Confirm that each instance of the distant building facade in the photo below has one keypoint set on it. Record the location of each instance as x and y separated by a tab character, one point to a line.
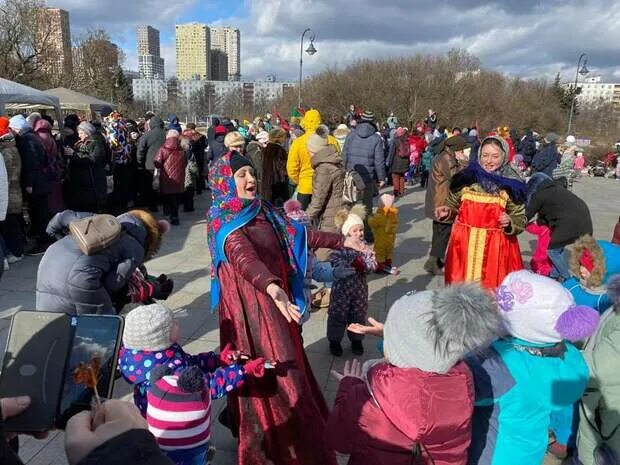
150	62
54	38
228	40
219	65
193	51
153	92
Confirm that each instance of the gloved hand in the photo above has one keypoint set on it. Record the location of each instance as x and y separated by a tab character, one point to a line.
359	264
342	271
229	354
256	367
163	287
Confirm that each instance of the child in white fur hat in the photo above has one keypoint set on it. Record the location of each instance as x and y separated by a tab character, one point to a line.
349	296
534	373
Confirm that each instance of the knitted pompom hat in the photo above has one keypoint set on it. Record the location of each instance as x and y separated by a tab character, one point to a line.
433	330
540	310
148	327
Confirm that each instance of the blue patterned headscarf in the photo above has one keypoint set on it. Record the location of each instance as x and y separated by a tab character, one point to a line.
230	212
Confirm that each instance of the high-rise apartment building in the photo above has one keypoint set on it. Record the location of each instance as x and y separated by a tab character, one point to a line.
54	40
193	45
150	62
228	40
219	65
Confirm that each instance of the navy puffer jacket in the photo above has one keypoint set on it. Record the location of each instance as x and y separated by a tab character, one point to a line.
71	282
363	152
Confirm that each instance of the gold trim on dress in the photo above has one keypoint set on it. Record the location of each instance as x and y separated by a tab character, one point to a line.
475	253
483	197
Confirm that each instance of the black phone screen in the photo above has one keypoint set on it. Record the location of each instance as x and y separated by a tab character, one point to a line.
95	342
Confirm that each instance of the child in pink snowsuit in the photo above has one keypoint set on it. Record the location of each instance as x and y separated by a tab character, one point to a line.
540	262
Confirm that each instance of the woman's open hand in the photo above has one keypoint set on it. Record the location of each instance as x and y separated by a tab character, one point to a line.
375	328
442	213
352	368
289	310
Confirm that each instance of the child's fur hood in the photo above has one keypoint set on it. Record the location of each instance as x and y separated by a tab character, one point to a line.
600	270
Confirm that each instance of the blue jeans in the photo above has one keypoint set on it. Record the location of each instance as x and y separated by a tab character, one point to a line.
560	263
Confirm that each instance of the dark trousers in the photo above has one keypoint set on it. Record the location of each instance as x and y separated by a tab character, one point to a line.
123	177
148	197
12	230
423	178
188	199
200	181
441	236
171	206
304	200
38	206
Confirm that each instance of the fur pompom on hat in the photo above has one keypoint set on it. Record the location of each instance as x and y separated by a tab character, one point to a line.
540	310
148	327
294	211
433	330
346	219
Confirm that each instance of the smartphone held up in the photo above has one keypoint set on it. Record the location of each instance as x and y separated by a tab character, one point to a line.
64	363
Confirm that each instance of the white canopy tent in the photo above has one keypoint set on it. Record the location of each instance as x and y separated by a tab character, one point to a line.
19	97
72	100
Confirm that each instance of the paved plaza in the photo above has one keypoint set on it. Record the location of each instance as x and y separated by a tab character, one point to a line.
184	257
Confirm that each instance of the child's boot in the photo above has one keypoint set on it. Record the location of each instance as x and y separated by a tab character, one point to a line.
335	348
357	347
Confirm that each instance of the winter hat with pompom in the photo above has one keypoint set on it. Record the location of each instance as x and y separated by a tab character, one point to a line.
540	310
294	211
433	330
346	219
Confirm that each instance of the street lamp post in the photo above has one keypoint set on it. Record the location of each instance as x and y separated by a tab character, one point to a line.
583	71
310	51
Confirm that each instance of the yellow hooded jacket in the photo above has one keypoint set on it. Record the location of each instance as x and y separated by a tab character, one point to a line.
298	164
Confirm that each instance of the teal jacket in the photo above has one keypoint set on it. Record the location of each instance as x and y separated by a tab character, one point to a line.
516	392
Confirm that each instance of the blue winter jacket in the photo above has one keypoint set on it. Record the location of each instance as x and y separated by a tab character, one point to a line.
546	159
516	392
363	152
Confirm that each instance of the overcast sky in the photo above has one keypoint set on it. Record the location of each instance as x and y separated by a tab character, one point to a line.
526	37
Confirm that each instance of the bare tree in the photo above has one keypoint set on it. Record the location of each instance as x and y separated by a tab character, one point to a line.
25	41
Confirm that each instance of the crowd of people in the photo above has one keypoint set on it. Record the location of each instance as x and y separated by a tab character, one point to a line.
500	366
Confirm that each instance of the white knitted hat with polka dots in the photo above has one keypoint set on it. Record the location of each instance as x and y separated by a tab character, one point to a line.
148	328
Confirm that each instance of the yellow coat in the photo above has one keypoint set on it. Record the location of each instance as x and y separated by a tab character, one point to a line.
298	165
384	225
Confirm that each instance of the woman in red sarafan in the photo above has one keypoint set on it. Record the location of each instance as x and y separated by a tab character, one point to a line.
259	260
487	199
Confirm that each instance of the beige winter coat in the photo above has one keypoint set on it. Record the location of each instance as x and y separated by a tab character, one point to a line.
327	187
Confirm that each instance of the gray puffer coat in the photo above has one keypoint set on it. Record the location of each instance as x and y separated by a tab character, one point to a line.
71	282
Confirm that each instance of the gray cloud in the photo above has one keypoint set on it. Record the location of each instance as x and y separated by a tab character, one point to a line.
526	38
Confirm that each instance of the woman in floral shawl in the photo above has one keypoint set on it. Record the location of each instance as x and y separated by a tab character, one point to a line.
259	262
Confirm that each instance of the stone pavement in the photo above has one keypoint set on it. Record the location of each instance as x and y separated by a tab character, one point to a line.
184	257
